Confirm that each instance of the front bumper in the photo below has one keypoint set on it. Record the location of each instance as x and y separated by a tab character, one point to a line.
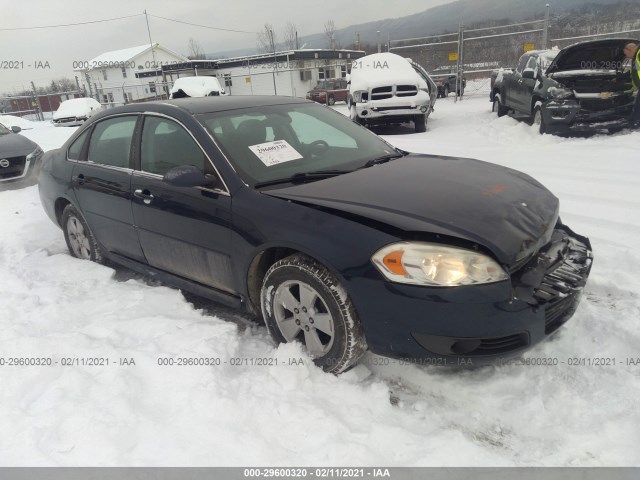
569	116
69	122
20	169
476	324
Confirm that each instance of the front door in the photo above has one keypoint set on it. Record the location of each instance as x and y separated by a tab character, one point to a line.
183	231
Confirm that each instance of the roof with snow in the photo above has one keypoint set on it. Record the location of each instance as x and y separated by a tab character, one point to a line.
126	54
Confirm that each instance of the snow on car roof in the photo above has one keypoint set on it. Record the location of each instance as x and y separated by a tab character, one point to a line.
196	86
382	68
76	107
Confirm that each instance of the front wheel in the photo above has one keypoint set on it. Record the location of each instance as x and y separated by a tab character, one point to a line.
332	100
420	122
302	301
538	119
79	237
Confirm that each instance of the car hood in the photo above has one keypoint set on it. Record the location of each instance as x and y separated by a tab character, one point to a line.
575	57
15	145
502	209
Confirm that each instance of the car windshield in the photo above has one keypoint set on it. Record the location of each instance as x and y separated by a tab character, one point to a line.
279	141
322	86
4	130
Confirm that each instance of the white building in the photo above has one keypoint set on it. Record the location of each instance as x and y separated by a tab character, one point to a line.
111	77
290	73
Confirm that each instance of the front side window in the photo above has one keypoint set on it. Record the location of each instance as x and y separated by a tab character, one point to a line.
165	145
521	64
279	141
111	141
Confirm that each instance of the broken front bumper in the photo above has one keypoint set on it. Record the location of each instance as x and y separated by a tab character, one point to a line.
477	324
567	116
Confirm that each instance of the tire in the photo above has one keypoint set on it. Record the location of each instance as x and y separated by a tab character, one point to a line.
445	94
538	119
353	115
332	100
313	290
497	107
420	122
80	239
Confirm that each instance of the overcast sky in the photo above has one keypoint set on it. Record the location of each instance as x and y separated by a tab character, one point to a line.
60	47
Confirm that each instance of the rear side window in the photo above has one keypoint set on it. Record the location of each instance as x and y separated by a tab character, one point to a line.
165	145
111	141
75	150
521	64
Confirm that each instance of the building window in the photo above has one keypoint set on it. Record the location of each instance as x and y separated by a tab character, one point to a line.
228	82
305	75
124	72
110	97
343	71
104	74
105	99
152	87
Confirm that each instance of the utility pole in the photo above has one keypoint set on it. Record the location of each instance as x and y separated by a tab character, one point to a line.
275	64
357	40
545	33
379	46
153	54
388	41
297	44
35	94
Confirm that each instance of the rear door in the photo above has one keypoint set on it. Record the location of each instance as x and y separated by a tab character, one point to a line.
102	183
183	231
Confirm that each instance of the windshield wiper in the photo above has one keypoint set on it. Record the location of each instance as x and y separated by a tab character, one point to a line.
383	159
303	177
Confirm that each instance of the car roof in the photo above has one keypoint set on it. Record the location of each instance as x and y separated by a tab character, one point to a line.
195	106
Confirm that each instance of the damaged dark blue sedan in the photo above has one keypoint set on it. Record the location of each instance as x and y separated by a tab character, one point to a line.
338	240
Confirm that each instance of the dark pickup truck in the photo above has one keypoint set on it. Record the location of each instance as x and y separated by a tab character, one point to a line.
585	87
446	82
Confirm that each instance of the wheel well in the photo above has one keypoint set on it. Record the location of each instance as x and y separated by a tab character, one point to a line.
257	270
60	205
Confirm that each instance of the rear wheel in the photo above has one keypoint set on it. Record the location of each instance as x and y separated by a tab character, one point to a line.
302	301
446	91
79	237
332	100
500	109
420	122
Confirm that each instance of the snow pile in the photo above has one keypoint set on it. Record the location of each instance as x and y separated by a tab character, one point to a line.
77	108
381	413
196	86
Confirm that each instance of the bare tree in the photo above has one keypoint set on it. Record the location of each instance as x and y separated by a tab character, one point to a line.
195	51
267	39
290	36
330	32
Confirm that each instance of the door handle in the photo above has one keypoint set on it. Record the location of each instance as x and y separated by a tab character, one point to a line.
145	195
79	179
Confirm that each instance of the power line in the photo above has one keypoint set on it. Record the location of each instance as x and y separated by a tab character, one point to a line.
202	26
71	24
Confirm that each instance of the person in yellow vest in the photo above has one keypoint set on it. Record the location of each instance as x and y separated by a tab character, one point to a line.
632	51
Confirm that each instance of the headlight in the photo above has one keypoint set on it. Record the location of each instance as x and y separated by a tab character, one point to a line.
357	96
560	93
429	264
37	152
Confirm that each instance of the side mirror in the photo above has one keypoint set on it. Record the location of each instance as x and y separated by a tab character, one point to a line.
529	73
188	176
15	129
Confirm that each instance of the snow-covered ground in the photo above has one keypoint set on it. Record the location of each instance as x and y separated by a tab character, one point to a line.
146	414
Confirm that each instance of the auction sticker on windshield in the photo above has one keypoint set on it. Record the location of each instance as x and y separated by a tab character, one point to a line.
276	152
